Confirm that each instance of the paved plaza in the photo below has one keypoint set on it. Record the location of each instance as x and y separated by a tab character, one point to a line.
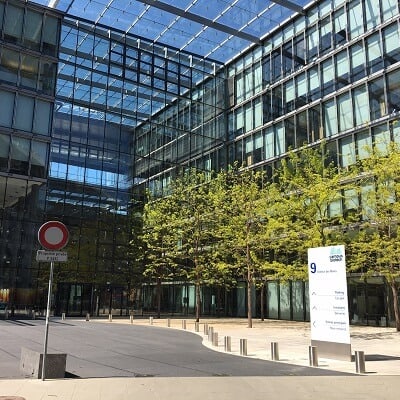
289	378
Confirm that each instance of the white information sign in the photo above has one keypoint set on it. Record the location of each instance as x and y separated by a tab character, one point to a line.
49	256
328	294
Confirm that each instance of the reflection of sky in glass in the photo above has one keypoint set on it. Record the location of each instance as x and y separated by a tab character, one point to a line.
254	17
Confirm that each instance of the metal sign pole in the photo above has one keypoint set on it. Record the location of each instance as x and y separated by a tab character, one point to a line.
47	320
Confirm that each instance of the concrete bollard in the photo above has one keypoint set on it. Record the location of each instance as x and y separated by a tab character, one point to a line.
131	319
168	322
243	347
63	316
215	339
313	356
196	327
205	329
151	320
184	324
210	333
228	343
360	362
109	317
274	351
87	317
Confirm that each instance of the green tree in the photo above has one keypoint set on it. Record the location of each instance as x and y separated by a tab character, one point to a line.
312	190
242	226
159	238
194	228
376	249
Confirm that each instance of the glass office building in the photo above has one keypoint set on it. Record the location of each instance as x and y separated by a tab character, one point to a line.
98	106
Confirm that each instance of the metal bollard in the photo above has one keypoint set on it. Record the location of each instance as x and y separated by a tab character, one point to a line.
6	314
196	327
63	316
313	356
87	317
210	333
151	320
228	343
168	322
109	317
274	351
215	339
360	362
243	347
184	324
131	319
206	329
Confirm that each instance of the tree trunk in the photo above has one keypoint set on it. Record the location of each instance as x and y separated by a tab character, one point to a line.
198	302
158	297
249	285
394	288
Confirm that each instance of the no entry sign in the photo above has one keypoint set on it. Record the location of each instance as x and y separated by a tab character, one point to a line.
53	235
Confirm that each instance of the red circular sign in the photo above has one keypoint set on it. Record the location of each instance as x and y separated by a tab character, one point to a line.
53	235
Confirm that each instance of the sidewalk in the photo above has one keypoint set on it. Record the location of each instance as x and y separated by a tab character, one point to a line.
381	346
381	381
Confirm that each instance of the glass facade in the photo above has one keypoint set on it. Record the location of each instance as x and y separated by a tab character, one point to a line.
28	67
93	117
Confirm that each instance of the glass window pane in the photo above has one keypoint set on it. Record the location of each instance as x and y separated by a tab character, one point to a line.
33	30
298	300
248	118
272	300
19	155
284	300
50	35
393	91
4	145
258	114
24	113
328	77
38	159
391	39
314	84
312	43
381	135
389	8
29	71
345	112
356	19
342	69
289	95
340	26
330	119
4	150
361	105
257	78
280	139
6	107
9	64
372	13
13	24
301	86
357	55
269	143
43	115
374	51
364	145
347	151
377	99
